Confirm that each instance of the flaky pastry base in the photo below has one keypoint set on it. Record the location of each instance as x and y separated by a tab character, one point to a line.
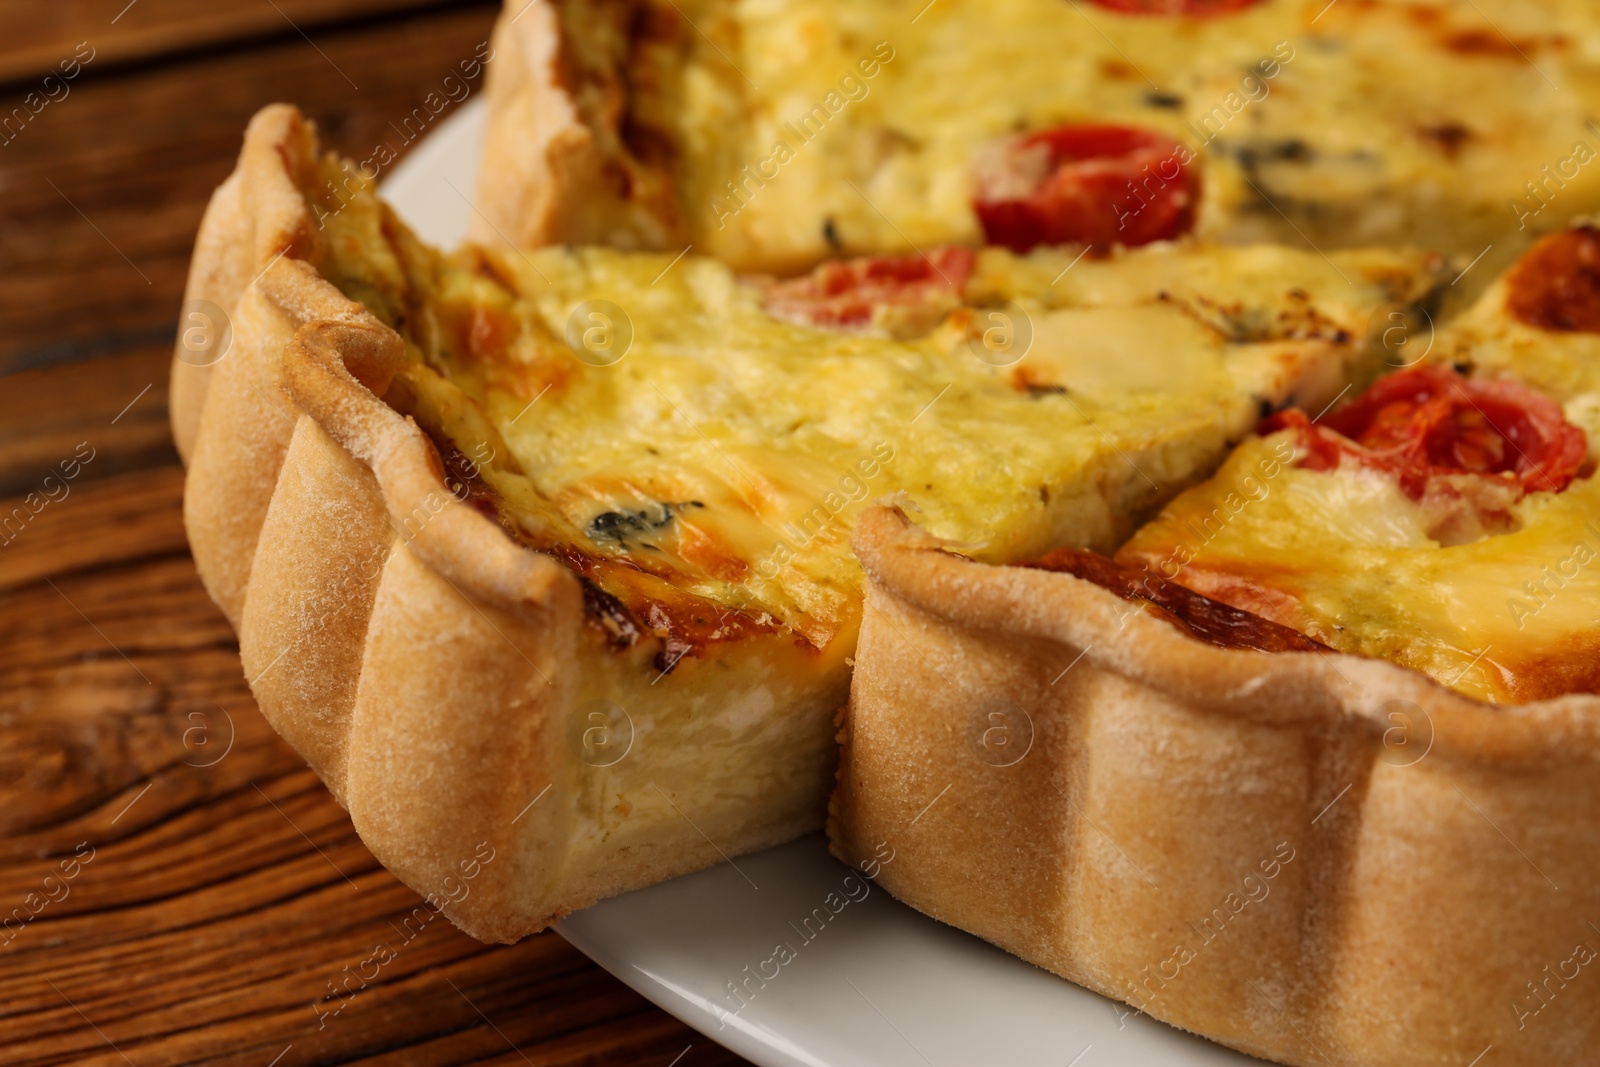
431	670
1313	858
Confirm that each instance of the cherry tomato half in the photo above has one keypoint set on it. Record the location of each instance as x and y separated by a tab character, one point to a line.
1087	183
1430	420
846	294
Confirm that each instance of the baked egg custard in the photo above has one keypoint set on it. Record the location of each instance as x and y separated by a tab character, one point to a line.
697	445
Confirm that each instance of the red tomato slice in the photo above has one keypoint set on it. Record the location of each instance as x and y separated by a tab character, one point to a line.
1556	285
1089	184
1430	421
1193	8
854	294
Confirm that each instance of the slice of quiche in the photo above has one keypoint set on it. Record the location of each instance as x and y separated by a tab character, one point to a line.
1310	767
551	550
772	135
1447	519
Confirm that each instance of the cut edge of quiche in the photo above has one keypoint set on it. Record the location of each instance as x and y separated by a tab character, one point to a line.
446	682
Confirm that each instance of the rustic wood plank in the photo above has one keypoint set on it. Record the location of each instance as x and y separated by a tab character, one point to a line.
140	515
119	408
216	891
101	193
39	34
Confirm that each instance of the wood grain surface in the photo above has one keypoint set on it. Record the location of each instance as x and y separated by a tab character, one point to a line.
175	886
41	33
101	192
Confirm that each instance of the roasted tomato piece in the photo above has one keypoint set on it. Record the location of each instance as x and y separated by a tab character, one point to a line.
1556	285
1429	421
1192	8
895	294
1089	184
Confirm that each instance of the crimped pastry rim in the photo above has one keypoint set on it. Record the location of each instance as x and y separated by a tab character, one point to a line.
1423	887
913	566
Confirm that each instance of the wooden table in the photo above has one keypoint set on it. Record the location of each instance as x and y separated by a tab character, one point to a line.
188	886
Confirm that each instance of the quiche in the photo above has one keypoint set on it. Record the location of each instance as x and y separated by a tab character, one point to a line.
551	549
773	135
1319	744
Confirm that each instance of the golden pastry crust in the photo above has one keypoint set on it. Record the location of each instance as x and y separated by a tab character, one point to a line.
1310	857
555	166
255	216
429	668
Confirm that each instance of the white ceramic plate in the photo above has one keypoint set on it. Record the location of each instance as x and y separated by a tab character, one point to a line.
877	985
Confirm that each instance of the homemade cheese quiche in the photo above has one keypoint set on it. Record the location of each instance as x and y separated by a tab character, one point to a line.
774	134
1319	748
552	549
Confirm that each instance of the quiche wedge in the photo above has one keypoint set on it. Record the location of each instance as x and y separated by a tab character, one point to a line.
1447	519
550	550
773	135
1317	749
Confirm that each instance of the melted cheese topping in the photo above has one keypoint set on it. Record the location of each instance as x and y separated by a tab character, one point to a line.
802	128
646	414
1348	558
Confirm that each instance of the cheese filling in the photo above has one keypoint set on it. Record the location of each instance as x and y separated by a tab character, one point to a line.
702	462
1348	558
